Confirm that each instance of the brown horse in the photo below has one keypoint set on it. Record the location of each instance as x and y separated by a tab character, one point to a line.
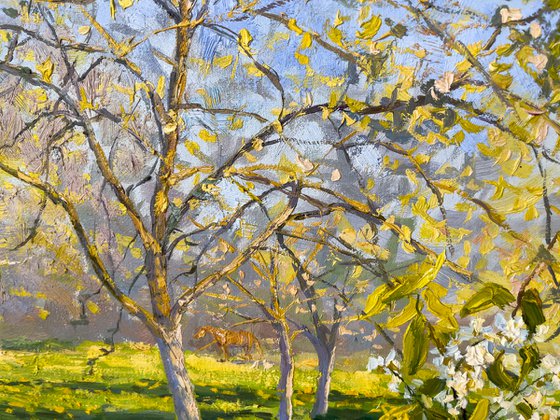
227	338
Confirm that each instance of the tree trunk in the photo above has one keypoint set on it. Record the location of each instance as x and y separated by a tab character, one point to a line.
178	380
326	365
287	367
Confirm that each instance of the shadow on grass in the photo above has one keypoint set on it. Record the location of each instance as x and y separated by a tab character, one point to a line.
251	405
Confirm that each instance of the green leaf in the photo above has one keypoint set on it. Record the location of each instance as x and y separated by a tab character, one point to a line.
11	12
436	413
469	126
525	410
407	288
531	309
370	28
502	80
402	412
500	377
440	309
481	410
531	359
432	387
374	303
491	294
405	315
399	30
415	345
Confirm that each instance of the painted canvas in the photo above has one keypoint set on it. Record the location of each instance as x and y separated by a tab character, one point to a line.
258	209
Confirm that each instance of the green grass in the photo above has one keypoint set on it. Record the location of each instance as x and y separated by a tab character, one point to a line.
53	382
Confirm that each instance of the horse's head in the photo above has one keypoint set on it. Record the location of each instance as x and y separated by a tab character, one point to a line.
200	333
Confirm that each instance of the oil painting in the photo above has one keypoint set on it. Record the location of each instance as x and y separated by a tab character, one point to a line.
280	209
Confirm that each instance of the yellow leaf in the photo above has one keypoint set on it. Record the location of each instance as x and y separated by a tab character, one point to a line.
125	4
46	69
258	145
374	303
84	103
531	213
253	70
302	58
278	126
192	147
170	127
370	28
409	287
161	203
335	35
339	19
113	8
84	30
161	86
207	136
21	292
43	313
466	172
306	41
236	123
92	306
224	61
481	410
292	25
405	315
245	38
136	253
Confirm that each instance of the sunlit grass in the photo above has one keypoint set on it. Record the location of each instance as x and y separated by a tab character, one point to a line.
130	382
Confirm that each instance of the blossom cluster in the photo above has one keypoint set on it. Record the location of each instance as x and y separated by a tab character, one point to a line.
463	366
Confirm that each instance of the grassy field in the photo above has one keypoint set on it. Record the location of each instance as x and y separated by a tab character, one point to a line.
129	384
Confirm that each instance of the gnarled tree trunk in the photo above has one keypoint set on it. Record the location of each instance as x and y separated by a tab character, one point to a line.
326	357
180	385
287	368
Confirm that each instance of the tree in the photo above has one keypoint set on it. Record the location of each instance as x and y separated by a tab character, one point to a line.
501	197
87	96
70	103
275	307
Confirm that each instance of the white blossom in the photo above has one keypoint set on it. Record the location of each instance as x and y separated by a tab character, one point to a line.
535	29
535	399
374	362
477	325
509	15
550	364
514	331
459	382
478	355
539	61
394	384
541	333
454	412
443	84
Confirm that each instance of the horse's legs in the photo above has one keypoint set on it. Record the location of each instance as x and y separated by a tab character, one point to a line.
224	352
248	349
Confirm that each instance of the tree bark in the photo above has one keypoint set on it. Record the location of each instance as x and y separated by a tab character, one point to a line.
180	385
287	367
326	357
